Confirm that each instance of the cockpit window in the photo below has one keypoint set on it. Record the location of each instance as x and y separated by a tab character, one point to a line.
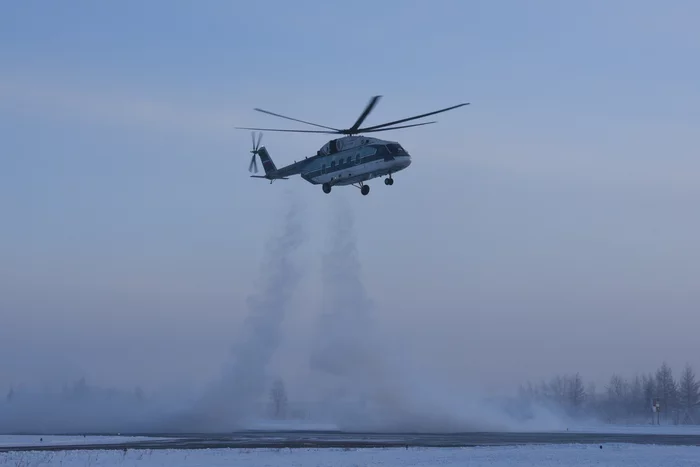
395	149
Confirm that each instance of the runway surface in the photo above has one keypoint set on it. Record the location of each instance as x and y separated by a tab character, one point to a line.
330	439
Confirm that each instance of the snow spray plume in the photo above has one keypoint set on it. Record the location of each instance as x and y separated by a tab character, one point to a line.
344	353
231	402
367	383
351	365
346	320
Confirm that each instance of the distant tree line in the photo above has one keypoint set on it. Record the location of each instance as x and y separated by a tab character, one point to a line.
79	390
623	400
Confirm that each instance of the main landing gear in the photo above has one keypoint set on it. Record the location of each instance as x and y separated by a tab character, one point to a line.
364	189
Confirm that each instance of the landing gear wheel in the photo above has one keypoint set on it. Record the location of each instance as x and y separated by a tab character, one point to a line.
388	181
364	190
326	188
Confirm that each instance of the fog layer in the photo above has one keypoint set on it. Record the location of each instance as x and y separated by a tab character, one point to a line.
359	380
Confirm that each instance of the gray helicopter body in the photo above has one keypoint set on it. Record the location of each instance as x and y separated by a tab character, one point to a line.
350	160
344	161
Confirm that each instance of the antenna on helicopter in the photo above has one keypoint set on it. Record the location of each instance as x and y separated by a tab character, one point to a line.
355	128
253	167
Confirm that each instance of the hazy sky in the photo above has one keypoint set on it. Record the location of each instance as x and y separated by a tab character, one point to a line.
552	225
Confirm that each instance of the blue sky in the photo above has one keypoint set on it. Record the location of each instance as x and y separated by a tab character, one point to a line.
552	219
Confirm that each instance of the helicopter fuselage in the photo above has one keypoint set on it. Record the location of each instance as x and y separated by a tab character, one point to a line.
347	161
355	159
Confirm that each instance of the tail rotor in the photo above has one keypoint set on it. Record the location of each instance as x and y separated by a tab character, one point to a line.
253	167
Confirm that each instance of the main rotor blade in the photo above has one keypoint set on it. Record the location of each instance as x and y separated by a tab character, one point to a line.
362	130
396	127
364	114
295	119
290	131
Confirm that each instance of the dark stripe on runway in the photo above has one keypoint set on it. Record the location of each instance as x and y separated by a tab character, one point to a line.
292	440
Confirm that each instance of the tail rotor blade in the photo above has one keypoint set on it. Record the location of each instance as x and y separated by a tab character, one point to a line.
253	167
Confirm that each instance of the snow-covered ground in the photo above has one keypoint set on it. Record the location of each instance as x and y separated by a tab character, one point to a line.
559	455
638	429
57	440
290	425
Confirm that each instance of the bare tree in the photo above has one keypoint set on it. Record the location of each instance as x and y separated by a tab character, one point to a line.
591	394
689	393
576	391
666	390
80	388
649	385
617	388
637	404
278	397
557	389
616	397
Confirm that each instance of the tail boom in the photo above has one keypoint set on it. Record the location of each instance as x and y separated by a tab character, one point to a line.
271	170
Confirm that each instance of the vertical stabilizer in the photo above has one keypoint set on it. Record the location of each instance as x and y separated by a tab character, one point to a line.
260	151
268	166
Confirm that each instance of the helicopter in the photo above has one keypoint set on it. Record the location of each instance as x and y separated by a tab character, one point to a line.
348	160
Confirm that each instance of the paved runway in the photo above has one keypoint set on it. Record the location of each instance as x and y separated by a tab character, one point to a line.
330	439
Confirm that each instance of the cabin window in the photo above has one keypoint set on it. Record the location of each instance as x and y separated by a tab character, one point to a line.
332	164
357	158
395	149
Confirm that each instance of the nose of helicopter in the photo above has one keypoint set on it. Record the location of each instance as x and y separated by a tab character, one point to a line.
403	161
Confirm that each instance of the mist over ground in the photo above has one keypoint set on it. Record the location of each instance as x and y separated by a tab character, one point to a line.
230	402
368	381
357	379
